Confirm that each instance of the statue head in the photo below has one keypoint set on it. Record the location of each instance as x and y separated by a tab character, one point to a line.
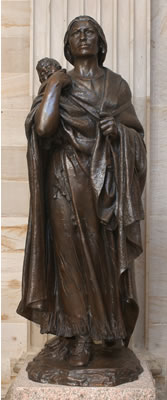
46	67
102	44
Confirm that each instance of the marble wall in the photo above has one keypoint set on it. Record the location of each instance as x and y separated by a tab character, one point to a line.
15	105
29	29
157	289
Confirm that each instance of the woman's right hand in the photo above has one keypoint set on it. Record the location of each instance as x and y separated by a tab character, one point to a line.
47	116
61	78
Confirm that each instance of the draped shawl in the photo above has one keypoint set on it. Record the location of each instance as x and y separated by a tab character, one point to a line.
118	165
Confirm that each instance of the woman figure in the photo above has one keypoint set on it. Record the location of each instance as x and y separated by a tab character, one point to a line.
85	207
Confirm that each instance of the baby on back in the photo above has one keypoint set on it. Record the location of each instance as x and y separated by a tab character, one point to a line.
45	68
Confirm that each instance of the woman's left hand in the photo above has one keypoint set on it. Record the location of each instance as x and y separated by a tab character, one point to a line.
108	125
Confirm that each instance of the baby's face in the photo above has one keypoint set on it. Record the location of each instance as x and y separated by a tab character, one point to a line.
45	71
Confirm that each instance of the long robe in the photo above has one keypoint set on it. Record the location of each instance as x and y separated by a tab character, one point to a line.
85	211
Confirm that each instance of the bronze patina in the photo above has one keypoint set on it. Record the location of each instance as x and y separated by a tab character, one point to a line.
87	168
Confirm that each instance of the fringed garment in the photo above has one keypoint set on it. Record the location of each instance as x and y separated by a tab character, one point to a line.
85	211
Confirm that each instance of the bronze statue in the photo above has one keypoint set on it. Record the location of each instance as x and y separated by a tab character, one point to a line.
87	168
46	67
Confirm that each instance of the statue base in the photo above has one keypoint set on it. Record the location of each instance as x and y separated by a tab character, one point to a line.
22	388
109	366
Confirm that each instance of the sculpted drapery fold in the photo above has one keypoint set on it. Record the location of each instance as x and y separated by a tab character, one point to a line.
112	175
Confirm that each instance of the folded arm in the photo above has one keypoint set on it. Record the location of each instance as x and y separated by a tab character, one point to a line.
47	116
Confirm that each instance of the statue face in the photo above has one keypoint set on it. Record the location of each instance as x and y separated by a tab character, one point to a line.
83	39
45	71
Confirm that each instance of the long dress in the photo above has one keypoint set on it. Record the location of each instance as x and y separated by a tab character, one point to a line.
88	215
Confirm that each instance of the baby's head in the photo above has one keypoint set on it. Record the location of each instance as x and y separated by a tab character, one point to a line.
46	67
